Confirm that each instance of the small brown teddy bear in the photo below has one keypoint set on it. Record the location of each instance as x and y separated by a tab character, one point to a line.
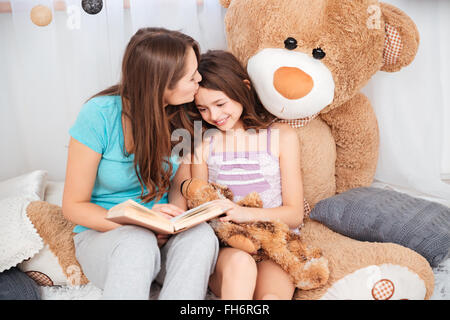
264	239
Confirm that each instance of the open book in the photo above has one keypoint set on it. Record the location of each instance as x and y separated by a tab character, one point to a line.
131	212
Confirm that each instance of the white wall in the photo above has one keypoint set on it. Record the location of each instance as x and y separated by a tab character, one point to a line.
413	106
47	73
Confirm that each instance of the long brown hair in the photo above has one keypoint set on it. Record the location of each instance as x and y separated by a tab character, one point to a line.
222	71
154	61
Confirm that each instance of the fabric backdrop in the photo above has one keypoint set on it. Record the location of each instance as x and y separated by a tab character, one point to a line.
413	107
47	73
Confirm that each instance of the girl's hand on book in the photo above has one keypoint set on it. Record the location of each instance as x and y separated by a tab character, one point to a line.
237	213
167	210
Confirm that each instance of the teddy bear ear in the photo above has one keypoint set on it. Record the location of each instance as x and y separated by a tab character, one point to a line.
225	3
401	40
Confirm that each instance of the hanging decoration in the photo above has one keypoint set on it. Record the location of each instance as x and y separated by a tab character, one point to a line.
200	8
41	15
92	6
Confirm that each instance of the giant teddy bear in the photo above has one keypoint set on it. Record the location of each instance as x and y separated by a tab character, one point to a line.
308	60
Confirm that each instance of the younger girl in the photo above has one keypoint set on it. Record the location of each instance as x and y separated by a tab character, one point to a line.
265	159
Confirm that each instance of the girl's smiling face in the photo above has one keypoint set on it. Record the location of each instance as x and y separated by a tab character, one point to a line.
218	109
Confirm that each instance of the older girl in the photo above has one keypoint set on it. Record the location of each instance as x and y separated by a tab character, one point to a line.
120	149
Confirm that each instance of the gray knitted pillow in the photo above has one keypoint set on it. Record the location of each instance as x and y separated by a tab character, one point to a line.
16	285
378	215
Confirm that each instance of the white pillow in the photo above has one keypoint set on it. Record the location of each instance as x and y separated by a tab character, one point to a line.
30	186
44	268
19	239
54	192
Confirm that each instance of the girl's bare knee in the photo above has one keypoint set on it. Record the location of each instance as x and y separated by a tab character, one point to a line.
270	296
238	273
239	265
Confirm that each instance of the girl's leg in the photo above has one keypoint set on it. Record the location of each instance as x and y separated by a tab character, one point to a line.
273	283
123	262
188	259
235	275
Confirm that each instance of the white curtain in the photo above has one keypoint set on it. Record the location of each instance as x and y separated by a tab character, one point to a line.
413	107
46	74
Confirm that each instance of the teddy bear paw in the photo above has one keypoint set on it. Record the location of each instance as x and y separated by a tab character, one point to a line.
313	274
378	282
243	243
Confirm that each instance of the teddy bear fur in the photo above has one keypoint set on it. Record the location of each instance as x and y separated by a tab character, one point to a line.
339	145
57	233
263	239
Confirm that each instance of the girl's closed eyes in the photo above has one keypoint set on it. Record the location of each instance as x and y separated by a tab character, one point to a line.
217	109
201	109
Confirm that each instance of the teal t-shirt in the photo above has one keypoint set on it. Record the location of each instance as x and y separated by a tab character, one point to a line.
99	127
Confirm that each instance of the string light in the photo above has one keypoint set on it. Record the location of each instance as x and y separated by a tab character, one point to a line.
92	6
41	15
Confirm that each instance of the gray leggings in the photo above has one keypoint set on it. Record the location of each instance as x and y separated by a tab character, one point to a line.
125	261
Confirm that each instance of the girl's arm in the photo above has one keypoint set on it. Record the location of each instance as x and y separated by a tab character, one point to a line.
199	168
291	212
175	196
82	165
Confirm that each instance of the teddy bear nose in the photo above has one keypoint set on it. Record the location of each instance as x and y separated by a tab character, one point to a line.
292	83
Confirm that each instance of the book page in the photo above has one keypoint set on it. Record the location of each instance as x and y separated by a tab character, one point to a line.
130	212
198	218
194	211
148	214
199	214
142	208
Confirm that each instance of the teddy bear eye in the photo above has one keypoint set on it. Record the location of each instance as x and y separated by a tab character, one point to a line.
290	43
318	54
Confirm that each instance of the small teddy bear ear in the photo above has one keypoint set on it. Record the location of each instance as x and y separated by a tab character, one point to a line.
401	40
225	191
225	3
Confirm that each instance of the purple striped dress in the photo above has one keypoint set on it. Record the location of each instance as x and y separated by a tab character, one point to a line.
245	172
